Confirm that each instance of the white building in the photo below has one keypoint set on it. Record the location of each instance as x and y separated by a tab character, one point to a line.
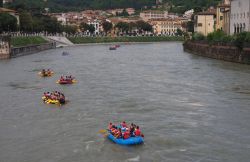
62	19
189	13
240	16
7	1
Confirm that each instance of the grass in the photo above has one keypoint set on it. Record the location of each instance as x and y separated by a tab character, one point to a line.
82	40
26	41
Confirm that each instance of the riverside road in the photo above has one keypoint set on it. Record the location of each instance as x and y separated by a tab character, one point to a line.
190	108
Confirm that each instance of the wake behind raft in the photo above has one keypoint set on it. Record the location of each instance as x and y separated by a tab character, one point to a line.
123	135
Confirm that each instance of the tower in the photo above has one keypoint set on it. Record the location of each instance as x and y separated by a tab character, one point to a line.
227	2
157	2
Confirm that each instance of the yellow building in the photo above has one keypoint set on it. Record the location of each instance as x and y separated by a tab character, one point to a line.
205	22
220	16
166	26
153	14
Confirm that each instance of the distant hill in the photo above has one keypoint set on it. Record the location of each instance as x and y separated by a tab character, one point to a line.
180	6
74	5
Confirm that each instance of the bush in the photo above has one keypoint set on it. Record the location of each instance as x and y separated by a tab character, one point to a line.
219	37
240	39
198	37
247	38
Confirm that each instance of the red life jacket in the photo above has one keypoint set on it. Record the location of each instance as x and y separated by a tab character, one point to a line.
137	132
126	135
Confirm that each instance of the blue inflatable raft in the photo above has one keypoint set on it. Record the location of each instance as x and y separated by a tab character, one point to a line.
129	141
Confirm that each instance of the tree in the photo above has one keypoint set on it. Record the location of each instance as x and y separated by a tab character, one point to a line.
84	26
52	25
122	26
107	26
26	21
179	32
1	3
143	26
7	22
70	29
190	26
91	29
38	24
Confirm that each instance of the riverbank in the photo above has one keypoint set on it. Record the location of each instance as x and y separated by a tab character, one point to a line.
226	52
27	41
86	40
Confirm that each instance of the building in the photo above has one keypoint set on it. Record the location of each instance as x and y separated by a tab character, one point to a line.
11	12
204	22
226	22
7	1
153	14
165	26
240	16
61	17
157	2
220	16
130	11
188	14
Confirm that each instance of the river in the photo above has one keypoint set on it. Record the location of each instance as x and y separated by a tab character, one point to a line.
190	108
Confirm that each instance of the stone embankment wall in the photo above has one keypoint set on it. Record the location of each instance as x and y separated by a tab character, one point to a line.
219	51
21	51
4	51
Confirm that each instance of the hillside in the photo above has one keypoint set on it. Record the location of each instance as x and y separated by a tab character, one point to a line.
74	5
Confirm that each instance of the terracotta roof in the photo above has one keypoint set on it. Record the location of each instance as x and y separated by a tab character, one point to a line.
2	10
210	12
223	5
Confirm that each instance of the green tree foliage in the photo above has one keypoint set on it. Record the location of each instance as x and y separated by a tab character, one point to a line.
198	37
26	21
7	22
122	26
190	26
91	28
69	5
70	29
179	32
180	6
107	26
84	27
217	36
144	26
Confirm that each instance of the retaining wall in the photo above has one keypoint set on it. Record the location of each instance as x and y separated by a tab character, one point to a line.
219	51
27	50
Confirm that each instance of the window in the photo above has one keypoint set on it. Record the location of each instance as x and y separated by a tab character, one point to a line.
200	24
221	17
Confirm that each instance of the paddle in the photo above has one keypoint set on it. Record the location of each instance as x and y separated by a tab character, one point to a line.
104	132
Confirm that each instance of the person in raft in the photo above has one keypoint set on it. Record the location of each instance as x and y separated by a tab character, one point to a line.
122	131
